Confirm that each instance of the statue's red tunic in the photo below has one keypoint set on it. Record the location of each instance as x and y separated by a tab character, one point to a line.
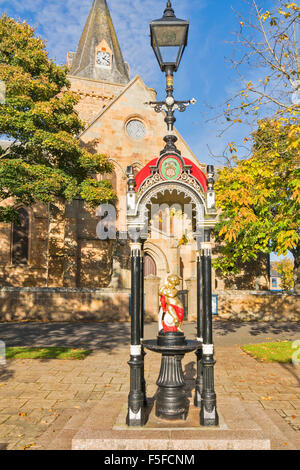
179	312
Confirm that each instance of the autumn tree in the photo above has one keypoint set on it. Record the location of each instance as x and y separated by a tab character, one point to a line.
267	47
259	195
265	64
44	159
260	200
285	268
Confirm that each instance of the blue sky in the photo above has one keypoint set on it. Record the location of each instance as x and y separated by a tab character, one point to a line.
204	73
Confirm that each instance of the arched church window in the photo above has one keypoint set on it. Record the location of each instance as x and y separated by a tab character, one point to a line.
20	238
150	266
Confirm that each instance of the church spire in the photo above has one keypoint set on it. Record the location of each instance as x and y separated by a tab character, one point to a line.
98	53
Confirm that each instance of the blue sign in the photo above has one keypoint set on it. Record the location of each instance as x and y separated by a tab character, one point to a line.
215	304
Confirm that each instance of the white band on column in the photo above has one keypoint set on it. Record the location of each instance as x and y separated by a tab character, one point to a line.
136	246
200	340
208	349
206	246
135	350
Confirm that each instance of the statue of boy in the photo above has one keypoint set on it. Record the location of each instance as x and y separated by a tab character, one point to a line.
171	312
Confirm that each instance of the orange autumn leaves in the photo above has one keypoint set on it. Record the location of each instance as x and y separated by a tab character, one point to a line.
260	197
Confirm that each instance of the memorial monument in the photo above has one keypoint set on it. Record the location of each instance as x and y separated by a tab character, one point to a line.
169	176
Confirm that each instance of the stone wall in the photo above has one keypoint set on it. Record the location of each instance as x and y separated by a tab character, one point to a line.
59	305
249	305
110	305
258	306
64	250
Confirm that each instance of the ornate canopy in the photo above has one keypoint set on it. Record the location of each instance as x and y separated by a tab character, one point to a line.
171	174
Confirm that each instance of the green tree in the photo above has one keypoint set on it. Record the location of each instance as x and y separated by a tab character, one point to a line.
286	270
45	159
260	199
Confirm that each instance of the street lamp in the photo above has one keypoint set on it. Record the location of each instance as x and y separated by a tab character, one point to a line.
169	37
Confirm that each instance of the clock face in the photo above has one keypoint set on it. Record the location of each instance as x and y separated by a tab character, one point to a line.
103	59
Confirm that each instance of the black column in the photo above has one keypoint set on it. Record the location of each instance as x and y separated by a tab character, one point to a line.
142	298
136	410
142	294
199	379
208	413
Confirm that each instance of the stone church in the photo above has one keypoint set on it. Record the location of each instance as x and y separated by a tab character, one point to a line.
55	257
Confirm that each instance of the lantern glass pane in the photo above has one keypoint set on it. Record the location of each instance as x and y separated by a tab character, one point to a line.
169	36
169	54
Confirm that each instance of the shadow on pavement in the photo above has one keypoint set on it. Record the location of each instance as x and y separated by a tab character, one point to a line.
293	370
112	336
189	378
100	336
225	327
5	374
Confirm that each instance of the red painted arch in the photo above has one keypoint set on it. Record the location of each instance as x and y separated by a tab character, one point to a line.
195	171
144	173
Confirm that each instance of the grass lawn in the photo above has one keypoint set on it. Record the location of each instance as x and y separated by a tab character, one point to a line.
280	351
46	353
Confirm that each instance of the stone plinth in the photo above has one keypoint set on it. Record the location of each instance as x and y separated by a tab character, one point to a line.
237	431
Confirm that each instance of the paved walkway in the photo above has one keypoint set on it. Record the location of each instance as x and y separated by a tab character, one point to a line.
109	336
39	398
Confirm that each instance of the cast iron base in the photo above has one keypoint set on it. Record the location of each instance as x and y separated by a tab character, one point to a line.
171	399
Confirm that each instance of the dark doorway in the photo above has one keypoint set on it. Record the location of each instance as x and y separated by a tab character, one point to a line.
150	266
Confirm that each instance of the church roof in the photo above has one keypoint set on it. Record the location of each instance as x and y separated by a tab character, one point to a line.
137	79
99	29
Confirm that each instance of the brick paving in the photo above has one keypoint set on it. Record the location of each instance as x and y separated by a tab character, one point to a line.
39	397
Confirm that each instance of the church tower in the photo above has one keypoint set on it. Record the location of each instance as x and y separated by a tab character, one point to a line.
97	70
98	54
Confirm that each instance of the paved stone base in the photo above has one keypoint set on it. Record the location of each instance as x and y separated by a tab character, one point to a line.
237	431
192	423
43	404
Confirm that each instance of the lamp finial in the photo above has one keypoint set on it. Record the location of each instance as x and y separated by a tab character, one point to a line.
169	10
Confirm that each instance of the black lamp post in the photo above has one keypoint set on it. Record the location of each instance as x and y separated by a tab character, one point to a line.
169	37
